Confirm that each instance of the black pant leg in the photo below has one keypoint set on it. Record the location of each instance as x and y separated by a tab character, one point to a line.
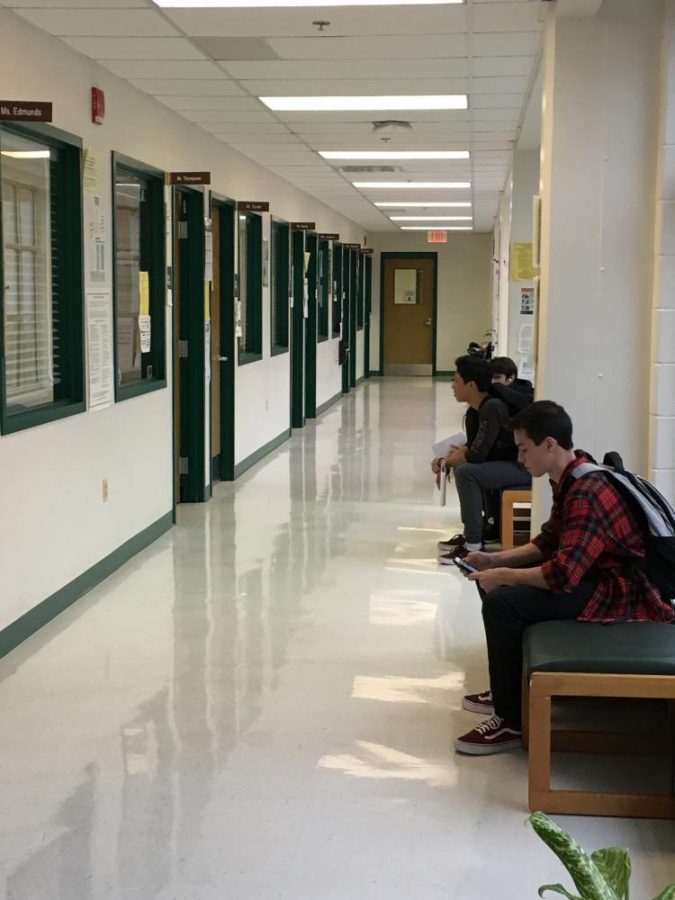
507	612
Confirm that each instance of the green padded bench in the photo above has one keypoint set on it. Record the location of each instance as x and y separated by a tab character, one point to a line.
581	659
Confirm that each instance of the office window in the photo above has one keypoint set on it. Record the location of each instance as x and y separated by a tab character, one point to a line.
250	287
41	290
323	289
280	268
139	283
337	289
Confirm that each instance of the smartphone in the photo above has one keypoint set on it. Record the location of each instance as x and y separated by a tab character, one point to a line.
463	564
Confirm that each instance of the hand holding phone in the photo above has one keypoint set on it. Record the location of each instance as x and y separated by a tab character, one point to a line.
464	565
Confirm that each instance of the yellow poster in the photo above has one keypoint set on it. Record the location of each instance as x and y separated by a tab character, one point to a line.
143	294
207	301
521	261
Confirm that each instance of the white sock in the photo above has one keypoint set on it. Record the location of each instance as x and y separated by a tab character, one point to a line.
471	547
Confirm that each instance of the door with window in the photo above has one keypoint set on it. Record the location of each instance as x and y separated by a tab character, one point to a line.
222	341
408	313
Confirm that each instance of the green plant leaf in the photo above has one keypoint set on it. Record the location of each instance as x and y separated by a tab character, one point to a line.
557	889
667	893
587	877
614	865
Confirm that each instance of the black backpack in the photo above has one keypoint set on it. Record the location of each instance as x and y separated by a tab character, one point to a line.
517	396
656	513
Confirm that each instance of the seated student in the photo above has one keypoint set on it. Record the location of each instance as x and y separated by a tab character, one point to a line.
579	567
517	393
486	462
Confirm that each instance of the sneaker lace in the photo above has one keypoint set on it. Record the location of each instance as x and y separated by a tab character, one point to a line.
491	724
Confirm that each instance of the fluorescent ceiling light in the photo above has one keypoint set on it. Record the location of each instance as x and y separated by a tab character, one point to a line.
277	4
425	204
359	104
434	228
430	218
26	154
394	154
403	185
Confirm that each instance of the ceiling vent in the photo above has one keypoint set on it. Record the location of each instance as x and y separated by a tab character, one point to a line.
369	170
228	49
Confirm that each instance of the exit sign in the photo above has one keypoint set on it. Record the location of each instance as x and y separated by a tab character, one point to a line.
437	237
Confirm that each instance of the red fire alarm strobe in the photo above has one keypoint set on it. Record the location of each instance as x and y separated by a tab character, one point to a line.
97	106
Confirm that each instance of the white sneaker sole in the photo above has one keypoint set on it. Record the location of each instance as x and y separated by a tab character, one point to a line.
487	749
487	709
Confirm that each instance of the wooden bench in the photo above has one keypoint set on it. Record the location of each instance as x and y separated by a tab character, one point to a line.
579	659
510	516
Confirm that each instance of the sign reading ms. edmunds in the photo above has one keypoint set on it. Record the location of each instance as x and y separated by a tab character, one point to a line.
25	111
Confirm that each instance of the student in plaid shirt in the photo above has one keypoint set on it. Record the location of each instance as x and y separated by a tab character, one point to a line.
581	566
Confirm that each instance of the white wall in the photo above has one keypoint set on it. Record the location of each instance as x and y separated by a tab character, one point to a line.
464	290
598	186
525	186
53	524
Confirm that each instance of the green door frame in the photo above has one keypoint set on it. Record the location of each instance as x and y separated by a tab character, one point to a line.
424	254
353	300
223	465
346	326
190	334
311	334
367	262
298	330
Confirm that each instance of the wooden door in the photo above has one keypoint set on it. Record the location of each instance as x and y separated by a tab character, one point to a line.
408	315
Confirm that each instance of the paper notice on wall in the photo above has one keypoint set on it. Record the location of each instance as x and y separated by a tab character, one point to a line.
144	323
238	330
143	294
95	237
100	375
521	261
308	257
527	301
90	175
305	299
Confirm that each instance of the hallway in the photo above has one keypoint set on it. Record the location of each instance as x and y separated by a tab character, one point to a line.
261	706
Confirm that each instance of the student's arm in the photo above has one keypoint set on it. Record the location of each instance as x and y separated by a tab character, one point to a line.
527	555
492	416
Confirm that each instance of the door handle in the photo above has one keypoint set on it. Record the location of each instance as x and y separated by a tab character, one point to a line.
222	359
428	322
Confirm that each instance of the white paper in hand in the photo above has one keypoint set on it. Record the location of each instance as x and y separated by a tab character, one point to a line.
442	448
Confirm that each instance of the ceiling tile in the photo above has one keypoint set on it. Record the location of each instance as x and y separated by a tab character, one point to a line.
359	87
100	22
502	65
354	68
524	43
142	68
209	104
367	47
179	87
134	48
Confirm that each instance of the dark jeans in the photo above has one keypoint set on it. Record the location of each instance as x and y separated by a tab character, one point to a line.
507	612
472	479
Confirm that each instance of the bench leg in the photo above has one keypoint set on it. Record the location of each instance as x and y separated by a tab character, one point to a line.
539	745
506	525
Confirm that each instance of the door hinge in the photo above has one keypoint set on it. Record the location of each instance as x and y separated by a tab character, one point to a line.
182	349
182	230
183	466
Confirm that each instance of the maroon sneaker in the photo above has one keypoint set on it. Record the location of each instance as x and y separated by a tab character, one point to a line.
479	703
491	736
457	540
458	552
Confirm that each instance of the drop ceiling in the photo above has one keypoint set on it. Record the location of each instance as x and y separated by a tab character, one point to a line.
210	65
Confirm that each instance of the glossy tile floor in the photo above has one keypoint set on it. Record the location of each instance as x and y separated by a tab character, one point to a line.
262	705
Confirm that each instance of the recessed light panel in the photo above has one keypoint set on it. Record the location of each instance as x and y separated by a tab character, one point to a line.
360	104
430	218
423	204
280	4
394	154
414	185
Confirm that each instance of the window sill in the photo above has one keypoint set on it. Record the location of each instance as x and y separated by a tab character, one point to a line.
245	358
146	386
277	351
12	423
322	338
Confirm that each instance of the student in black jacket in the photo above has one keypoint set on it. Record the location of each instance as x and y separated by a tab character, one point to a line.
488	459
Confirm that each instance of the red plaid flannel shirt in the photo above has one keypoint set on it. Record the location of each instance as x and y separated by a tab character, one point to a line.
593	533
